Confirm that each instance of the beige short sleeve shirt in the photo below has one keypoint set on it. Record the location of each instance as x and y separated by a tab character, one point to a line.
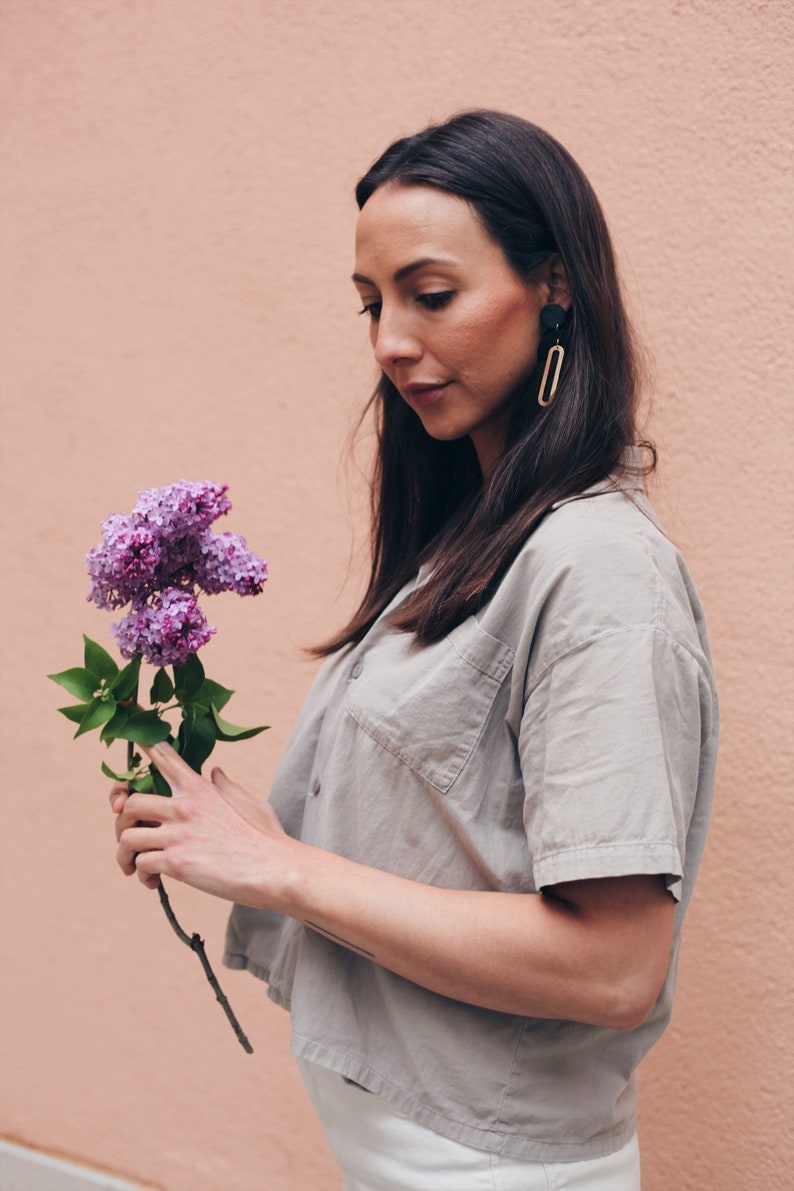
567	731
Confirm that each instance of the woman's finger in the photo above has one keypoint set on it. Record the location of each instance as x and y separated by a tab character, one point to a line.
143	810
119	793
258	813
169	763
139	839
226	785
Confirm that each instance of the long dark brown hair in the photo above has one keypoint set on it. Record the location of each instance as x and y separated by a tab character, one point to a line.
429	500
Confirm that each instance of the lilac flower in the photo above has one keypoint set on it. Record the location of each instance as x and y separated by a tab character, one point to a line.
157	556
182	509
226	564
124	564
178	557
165	630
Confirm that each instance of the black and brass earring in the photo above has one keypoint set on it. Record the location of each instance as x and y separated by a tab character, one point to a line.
552	317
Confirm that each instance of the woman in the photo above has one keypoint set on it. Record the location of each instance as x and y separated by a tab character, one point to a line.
470	879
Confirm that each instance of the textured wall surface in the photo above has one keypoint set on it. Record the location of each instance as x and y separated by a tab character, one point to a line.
177	227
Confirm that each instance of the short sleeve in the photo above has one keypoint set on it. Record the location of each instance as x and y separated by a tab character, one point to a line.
610	747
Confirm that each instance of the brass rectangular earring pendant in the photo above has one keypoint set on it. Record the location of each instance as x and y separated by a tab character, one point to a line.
551	373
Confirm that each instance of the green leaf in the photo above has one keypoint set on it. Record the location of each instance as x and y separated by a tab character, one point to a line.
213	693
97	714
125	684
145	727
118	777
200	699
196	740
113	727
98	660
77	682
188	679
76	712
230	732
162	687
142	785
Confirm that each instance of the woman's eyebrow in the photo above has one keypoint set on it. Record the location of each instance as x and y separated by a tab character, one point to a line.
406	270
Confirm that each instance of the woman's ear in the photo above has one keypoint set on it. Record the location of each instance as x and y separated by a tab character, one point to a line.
557	280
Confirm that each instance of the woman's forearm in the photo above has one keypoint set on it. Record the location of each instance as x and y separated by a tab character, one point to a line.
596	951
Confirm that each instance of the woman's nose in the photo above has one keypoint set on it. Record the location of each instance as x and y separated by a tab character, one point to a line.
394	339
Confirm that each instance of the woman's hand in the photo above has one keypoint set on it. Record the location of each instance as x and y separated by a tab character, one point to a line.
119	794
211	833
593	951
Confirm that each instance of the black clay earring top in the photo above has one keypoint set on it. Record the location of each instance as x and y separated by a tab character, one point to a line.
552	318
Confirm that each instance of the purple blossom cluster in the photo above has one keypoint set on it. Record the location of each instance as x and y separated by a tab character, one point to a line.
125	564
226	564
182	509
155	559
166	630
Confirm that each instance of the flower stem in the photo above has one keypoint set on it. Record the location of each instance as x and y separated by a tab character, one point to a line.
196	943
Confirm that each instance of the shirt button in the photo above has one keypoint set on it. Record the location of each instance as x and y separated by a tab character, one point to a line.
357	669
315	786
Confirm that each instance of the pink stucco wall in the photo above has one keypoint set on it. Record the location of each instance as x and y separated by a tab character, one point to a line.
177	240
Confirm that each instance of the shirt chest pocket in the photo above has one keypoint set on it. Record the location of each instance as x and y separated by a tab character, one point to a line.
427	705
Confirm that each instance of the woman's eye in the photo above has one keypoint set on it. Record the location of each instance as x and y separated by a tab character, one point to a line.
437	300
372	309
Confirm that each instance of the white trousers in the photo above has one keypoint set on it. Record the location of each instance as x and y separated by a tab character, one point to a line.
379	1149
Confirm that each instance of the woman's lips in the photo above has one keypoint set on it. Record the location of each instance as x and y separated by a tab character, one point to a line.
421	395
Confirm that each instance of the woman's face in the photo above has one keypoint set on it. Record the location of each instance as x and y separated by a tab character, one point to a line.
453	327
